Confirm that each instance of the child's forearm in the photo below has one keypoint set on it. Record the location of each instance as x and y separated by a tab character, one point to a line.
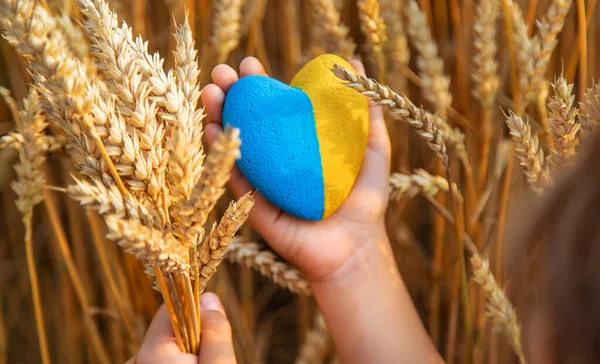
369	312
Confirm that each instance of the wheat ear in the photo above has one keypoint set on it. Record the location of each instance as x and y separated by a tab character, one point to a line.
485	74
190	215
256	256
431	66
590	112
373	27
527	149
563	126
226	28
215	245
523	45
316	343
420	181
328	33
30	141
499	308
400	106
545	42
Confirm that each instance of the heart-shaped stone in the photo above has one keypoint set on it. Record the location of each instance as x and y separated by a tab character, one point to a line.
303	144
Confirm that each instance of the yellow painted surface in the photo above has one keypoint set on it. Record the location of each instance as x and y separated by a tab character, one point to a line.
342	120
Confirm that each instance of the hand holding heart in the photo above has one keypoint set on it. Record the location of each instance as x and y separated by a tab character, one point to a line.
323	247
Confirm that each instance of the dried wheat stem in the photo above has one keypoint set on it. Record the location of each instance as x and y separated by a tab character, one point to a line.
373	27
431	66
499	307
401	107
527	149
258	257
590	112
420	181
563	124
51	204
164	290
124	309
226	28
328	33
315	347
213	249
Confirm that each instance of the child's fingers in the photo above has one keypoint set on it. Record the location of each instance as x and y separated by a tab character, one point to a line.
224	76
160	345
216	344
213	98
251	66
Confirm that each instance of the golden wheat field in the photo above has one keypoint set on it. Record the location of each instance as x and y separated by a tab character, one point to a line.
112	203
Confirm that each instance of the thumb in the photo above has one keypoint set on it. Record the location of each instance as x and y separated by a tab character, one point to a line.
216	344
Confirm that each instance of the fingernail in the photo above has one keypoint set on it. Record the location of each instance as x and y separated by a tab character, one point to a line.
210	301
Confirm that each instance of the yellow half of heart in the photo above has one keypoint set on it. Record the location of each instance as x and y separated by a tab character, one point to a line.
342	122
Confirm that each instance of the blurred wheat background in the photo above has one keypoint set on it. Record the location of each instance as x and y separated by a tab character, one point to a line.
486	73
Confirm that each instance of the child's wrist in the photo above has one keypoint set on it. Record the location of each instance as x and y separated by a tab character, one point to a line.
372	251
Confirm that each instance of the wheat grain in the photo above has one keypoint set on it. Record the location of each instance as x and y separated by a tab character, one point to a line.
409	185
316	343
255	256
563	126
499	308
328	34
431	66
401	107
527	149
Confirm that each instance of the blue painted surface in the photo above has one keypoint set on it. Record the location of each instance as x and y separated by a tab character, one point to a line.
280	148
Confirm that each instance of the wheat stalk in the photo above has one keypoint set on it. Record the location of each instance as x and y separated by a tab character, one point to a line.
31	142
420	181
315	347
402	108
523	45
254	255
226	27
563	126
527	149
396	49
429	63
544	43
213	249
373	27
329	34
485	72
590	112
499	308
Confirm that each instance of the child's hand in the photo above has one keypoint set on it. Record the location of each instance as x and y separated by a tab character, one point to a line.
319	248
216	345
